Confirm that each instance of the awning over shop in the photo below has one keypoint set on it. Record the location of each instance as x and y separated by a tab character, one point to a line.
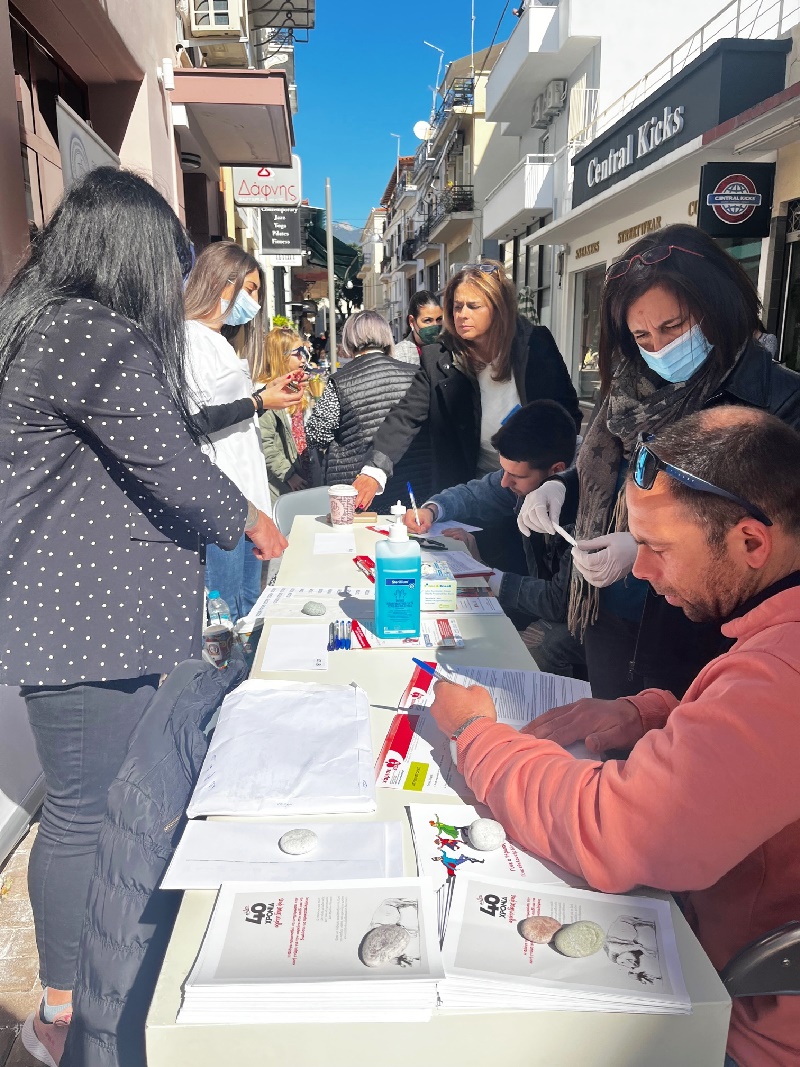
345	257
244	115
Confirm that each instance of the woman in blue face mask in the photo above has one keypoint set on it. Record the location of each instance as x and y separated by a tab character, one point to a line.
222	304
680	331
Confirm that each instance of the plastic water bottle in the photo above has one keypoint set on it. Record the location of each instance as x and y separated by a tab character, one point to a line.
398	582
218	610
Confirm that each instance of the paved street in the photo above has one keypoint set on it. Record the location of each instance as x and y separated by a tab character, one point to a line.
19	983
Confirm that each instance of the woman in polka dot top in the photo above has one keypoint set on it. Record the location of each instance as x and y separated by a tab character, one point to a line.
107	503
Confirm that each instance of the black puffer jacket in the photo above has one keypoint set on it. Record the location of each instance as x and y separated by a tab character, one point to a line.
446	404
128	919
368	389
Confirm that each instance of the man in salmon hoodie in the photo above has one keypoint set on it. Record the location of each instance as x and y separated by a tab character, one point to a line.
708	801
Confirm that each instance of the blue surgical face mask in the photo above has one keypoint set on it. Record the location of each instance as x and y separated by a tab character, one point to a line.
244	309
677	361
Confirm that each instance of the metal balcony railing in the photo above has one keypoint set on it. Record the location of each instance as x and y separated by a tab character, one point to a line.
461	93
749	19
456	198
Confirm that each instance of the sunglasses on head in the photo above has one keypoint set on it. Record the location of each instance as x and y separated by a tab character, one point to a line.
646	466
484	268
651	256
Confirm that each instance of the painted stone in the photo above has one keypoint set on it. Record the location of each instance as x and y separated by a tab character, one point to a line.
298	842
486	835
313	607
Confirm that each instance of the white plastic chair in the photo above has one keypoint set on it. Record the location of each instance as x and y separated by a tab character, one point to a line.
303	502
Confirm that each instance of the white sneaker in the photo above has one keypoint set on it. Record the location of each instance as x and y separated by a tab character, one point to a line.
45	1041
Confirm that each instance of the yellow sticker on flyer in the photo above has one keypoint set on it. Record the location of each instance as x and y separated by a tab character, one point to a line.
417	774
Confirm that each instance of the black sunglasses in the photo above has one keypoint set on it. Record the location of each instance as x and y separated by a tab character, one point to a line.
484	268
646	466
651	256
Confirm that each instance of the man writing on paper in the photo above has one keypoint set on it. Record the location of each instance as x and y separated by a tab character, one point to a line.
708	801
535	443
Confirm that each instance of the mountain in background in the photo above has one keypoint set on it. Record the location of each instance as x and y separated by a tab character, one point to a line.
347	233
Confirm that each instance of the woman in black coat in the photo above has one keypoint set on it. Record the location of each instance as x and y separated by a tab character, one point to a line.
680	332
106	505
488	362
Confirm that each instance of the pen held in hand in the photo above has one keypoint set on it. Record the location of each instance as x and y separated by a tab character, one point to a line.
413	502
437	672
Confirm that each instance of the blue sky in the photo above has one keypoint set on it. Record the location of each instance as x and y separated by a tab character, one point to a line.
365	74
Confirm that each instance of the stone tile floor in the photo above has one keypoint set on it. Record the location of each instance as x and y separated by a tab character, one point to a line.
19	963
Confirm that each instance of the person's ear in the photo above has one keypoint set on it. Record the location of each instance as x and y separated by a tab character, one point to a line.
753	542
557	468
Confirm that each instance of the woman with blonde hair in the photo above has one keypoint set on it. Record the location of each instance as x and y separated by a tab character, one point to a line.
283	434
221	304
487	362
356	401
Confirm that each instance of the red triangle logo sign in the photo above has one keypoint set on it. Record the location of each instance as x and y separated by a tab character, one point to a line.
264	172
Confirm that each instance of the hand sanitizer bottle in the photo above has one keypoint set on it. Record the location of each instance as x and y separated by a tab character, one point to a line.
398	581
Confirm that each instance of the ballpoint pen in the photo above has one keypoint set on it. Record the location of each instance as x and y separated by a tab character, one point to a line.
413	501
348	635
332	637
437	672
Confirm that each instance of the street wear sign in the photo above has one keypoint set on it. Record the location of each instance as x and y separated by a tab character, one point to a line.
280	231
736	199
268	186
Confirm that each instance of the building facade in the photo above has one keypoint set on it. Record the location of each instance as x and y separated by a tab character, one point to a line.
175	94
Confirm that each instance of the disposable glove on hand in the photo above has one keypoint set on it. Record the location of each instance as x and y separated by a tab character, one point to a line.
541	508
602	560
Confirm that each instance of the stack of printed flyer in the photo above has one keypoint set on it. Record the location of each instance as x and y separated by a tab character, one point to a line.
313	952
512	946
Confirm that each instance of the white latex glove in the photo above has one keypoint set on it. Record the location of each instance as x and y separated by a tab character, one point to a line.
602	560
541	508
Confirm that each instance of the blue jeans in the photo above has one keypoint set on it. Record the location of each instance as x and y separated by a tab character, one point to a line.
81	734
236	574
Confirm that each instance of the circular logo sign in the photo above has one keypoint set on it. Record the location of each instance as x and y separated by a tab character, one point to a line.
735	199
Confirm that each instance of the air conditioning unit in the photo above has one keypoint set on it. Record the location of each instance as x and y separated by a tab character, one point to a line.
538	117
216	18
555	97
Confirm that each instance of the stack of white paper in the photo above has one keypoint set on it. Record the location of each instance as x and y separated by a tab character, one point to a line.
288	748
317	952
594	952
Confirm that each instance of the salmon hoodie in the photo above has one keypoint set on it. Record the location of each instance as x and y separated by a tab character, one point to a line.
707	804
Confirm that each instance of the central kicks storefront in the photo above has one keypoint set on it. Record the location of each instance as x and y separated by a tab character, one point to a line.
645	173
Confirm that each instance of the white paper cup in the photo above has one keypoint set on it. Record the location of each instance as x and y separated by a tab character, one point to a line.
342	500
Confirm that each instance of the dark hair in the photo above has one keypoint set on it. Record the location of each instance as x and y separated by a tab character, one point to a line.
744	450
708	284
112	239
420	300
501	297
540	434
221	264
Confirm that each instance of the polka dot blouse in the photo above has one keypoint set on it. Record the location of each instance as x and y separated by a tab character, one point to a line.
106	505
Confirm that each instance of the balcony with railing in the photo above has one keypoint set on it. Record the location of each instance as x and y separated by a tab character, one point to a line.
524	194
543	46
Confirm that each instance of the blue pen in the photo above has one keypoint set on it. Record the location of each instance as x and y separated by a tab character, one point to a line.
413	501
349	635
436	672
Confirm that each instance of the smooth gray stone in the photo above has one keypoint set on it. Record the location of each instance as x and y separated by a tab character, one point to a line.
383	944
485	834
313	607
298	842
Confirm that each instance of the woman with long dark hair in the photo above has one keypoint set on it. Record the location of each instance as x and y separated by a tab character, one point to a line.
423	326
680	331
222	305
107	504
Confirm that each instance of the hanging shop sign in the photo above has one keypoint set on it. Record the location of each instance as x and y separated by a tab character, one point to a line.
81	149
269	186
736	199
729	77
280	231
